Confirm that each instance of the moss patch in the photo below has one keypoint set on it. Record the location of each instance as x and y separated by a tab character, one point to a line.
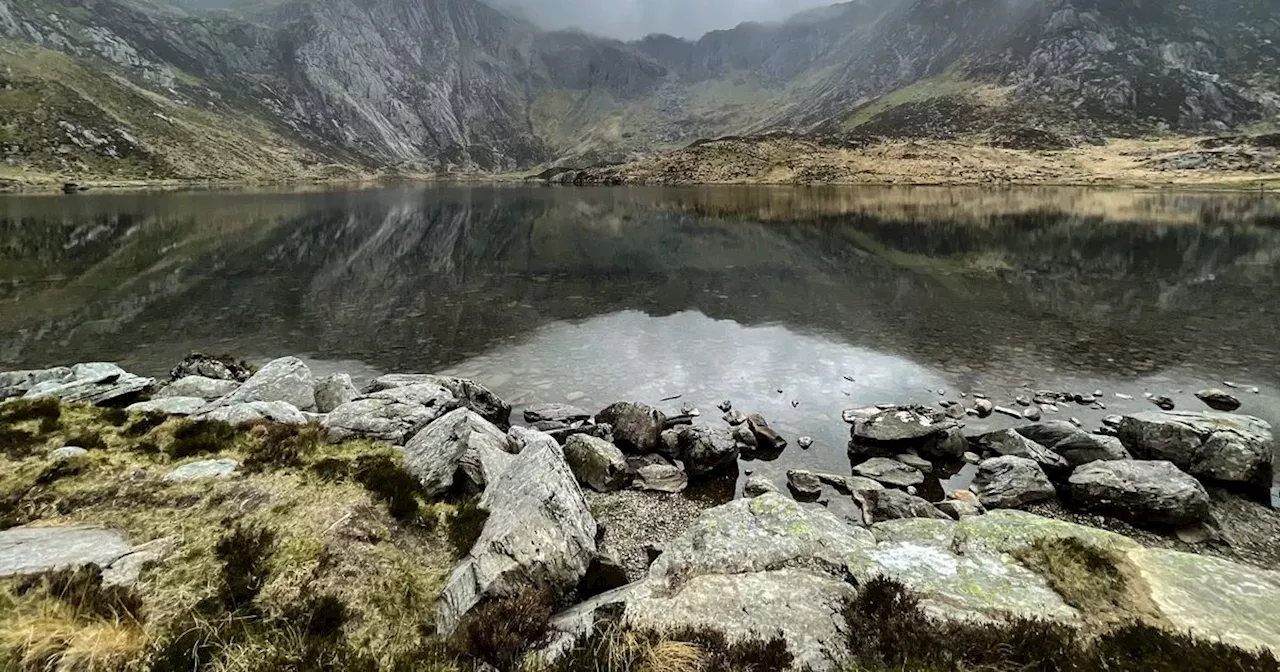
1101	583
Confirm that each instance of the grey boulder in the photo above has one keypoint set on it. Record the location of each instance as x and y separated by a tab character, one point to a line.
391	415
1010	442
766	438
1010	482
1218	446
334	391
197	386
17	383
461	451
660	478
881	505
469	393
706	450
596	462
1049	433
1081	448
1140	491
1219	400
287	379
539	535
805	485
637	428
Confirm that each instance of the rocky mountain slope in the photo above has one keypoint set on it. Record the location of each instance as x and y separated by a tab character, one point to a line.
311	88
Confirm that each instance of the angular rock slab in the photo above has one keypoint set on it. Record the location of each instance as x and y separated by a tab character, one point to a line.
1080	449
95	383
208	389
274	411
980	586
1220	446
471	394
287	379
1214	598
204	469
392	415
1008	442
25	551
555	413
169	405
1010	482
19	382
596	462
540	534
459	444
334	391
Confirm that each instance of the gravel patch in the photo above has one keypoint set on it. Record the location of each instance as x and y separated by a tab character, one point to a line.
634	519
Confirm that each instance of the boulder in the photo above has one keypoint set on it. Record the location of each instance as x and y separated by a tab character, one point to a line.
758	485
555	413
1218	400
94	383
1082	448
205	366
203	469
706	450
169	405
539	535
889	472
273	411
596	462
334	391
1009	442
1218	446
660	478
767	439
637	428
287	379
889	504
384	419
984	408
1049	433
1140	491
17	383
1010	482
805	485
469	393
205	388
460	450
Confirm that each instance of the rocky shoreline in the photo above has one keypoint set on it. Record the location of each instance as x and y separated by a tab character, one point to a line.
628	517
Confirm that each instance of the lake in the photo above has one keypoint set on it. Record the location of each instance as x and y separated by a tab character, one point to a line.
792	302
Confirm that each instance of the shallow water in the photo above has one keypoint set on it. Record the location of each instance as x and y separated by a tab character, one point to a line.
795	303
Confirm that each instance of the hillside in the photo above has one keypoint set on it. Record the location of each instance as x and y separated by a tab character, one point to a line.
305	89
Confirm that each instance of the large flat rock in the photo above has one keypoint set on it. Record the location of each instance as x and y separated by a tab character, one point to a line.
26	551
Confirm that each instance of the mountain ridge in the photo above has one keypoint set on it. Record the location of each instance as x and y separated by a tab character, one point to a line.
361	87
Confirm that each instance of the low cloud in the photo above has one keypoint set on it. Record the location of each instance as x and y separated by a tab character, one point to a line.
631	19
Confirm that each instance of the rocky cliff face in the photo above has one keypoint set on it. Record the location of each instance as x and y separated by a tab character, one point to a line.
457	85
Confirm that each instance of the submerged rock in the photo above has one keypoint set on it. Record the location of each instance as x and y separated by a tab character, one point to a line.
1140	491
1010	482
539	535
637	428
1219	446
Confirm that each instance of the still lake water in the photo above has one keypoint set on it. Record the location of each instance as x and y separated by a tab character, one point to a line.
796	303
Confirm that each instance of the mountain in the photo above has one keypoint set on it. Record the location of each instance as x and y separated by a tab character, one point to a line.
343	88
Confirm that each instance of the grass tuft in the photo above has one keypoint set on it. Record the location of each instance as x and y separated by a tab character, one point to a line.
197	437
22	410
500	631
282	446
244	554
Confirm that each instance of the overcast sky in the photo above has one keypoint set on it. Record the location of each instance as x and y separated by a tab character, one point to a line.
630	19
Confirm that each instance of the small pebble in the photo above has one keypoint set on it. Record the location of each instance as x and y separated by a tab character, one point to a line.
726	406
805	442
1097	393
963	395
1076	422
942	393
1121	395
1230	384
911	490
1255	390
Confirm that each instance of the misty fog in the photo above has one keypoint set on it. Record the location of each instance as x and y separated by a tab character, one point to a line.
631	19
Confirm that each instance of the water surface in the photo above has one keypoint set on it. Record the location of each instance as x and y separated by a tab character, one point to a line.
795	303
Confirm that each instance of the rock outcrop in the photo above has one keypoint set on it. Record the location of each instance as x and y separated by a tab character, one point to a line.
461	451
287	380
1217	446
1144	492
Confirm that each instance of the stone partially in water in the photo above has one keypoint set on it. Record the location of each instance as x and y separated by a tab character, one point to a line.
637	428
706	450
767	439
758	485
1219	446
1141	492
1085	448
1218	400
889	472
1010	482
805	485
902	424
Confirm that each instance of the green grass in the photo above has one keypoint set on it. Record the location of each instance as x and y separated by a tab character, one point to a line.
925	89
